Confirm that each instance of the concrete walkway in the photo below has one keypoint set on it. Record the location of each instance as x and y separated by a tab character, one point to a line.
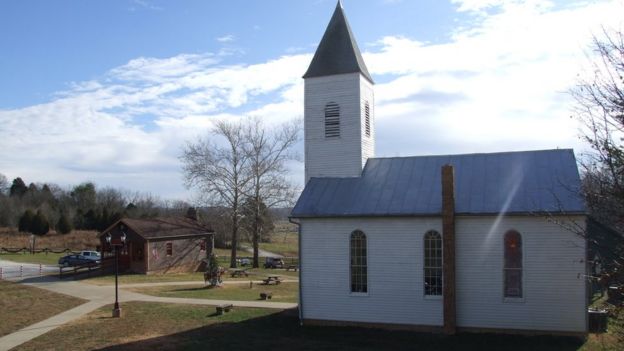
101	295
195	282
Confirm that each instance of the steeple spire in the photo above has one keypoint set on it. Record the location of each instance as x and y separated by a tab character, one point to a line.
338	52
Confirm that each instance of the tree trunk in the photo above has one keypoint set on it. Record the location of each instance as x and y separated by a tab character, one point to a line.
254	240
234	240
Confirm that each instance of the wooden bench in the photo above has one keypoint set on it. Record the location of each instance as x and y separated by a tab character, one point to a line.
292	267
239	273
266	295
224	308
272	279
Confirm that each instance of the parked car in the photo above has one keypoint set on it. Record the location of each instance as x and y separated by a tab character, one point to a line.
74	260
92	255
245	261
273	262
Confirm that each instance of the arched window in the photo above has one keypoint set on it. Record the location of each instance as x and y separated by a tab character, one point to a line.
433	263
359	276
367	122
513	264
332	120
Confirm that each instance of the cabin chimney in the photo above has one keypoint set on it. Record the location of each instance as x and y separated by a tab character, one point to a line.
191	213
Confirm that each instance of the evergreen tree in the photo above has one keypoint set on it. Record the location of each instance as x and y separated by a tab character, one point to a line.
63	225
25	221
40	224
18	188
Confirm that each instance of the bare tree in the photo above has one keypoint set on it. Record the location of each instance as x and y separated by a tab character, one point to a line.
4	184
268	153
221	173
600	107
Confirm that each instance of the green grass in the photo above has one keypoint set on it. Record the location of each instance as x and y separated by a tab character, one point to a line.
38	258
147	326
285	292
142	327
21	305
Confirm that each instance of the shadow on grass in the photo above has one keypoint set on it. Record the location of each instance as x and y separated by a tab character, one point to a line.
281	331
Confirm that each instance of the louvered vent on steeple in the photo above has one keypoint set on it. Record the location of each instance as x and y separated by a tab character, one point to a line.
332	120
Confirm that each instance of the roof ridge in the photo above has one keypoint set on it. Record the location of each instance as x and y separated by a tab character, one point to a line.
471	154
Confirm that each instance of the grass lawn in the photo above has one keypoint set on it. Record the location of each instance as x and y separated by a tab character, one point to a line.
285	241
285	292
22	305
147	326
38	258
255	274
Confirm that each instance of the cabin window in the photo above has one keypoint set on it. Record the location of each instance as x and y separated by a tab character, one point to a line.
169	247
359	276
433	263
513	264
202	245
332	120
367	123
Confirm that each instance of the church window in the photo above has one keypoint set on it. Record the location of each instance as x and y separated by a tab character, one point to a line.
433	263
332	120
513	264
367	118
359	278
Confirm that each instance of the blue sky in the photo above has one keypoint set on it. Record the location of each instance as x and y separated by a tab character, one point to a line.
109	91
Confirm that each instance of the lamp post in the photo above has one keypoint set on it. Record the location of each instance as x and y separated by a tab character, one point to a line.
117	245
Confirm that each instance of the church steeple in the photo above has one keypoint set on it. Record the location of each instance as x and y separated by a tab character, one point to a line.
339	106
338	52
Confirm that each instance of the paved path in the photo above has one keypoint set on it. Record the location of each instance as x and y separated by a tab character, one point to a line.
261	253
101	295
11	270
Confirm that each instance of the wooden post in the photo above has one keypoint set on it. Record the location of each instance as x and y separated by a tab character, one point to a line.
448	248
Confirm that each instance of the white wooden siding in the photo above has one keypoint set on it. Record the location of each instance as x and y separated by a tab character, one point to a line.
553	267
395	270
334	157
553	275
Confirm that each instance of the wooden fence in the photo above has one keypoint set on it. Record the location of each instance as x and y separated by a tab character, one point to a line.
27	250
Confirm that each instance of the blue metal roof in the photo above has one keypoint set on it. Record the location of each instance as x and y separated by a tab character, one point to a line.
508	182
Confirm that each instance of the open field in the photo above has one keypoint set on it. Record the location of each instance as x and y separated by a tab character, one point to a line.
285	240
76	240
285	292
255	274
147	326
21	305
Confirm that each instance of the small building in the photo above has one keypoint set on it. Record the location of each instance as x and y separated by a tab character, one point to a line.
473	242
159	245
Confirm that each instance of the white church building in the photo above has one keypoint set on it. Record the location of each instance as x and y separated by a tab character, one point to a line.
473	242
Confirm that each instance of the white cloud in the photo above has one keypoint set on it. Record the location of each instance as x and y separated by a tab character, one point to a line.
498	85
226	38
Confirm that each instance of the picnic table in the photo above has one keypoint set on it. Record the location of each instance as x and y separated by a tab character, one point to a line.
292	267
239	273
272	279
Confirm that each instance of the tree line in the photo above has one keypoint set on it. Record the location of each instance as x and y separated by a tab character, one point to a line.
39	208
